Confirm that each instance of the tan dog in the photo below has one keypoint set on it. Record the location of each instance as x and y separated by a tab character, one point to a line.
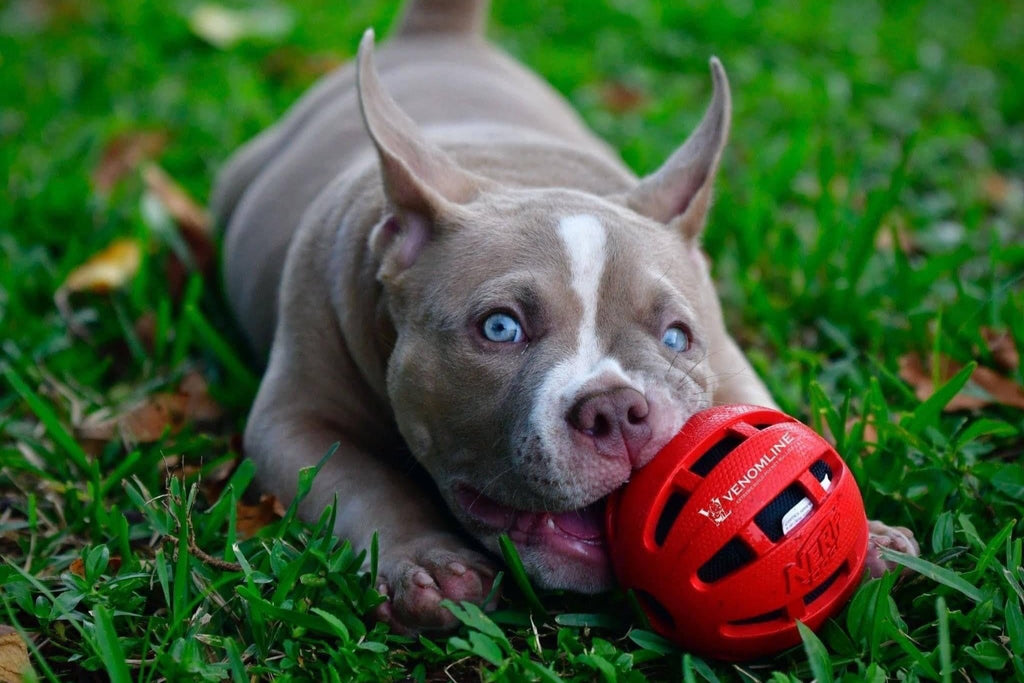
475	298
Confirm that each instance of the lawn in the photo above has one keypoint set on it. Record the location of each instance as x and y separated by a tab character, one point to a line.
868	238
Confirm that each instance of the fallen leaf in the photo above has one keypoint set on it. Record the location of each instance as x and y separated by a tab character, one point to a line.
198	248
869	436
14	662
985	386
123	154
107	270
1003	390
159	414
77	566
223	27
895	222
145	329
620	98
187	214
252	518
1001	191
1002	347
148	420
292	65
199	406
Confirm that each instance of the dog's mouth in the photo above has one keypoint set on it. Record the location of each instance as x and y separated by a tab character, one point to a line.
575	535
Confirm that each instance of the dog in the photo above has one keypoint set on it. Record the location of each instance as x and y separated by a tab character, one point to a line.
470	295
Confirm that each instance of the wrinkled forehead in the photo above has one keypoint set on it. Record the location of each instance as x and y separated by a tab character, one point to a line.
569	226
568	247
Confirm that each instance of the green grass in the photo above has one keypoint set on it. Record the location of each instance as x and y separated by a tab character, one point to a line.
858	125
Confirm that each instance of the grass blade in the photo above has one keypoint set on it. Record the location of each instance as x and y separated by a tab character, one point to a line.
945	646
212	340
928	412
934	572
817	655
50	421
518	572
108	646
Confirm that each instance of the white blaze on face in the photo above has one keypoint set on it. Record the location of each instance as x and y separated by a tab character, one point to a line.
584	240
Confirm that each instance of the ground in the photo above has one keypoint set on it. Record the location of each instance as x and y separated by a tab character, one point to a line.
867	237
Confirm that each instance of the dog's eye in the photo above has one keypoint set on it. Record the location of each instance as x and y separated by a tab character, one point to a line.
676	338
502	328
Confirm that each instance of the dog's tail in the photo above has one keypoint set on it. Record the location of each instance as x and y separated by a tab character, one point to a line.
465	17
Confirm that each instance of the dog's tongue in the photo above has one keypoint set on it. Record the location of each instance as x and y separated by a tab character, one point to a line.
584	524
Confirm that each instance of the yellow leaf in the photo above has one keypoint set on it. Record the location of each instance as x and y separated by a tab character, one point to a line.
107	270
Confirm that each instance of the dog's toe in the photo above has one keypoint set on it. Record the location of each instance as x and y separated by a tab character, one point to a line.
881	535
427	574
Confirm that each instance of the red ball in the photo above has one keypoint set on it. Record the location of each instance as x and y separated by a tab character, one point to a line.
746	522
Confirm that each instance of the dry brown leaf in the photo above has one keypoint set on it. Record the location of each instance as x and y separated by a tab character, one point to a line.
187	214
1002	347
77	566
123	154
200	406
1003	390
14	662
163	412
146	329
149	420
194	225
870	433
989	386
107	270
621	98
1000	191
289	64
252	518
895	221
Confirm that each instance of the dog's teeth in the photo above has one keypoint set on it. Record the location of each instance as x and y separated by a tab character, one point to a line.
551	523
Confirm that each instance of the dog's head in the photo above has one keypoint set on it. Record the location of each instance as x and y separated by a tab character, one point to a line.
549	341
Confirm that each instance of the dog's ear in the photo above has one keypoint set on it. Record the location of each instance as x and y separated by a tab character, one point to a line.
679	193
421	181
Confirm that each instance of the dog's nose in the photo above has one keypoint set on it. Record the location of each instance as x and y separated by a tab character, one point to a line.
616	420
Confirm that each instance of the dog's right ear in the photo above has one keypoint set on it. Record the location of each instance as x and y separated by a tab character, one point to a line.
679	193
422	183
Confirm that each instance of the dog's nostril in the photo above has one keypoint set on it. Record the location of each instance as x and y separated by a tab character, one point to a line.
621	412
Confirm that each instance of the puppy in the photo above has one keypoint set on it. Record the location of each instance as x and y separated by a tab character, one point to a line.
474	298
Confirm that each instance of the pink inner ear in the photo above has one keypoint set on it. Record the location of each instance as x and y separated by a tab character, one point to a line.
413	234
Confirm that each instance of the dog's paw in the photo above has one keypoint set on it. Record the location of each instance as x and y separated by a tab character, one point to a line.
416	576
884	536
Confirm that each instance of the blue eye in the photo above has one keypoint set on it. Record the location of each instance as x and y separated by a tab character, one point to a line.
502	328
676	338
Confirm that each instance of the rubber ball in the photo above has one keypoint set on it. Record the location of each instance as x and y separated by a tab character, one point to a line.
746	522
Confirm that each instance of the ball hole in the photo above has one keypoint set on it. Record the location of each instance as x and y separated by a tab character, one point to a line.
669	513
656	612
729	558
715	455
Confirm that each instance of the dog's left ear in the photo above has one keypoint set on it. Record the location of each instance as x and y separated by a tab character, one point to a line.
679	193
423	184
418	175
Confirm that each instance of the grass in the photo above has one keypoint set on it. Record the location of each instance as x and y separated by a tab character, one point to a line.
870	207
